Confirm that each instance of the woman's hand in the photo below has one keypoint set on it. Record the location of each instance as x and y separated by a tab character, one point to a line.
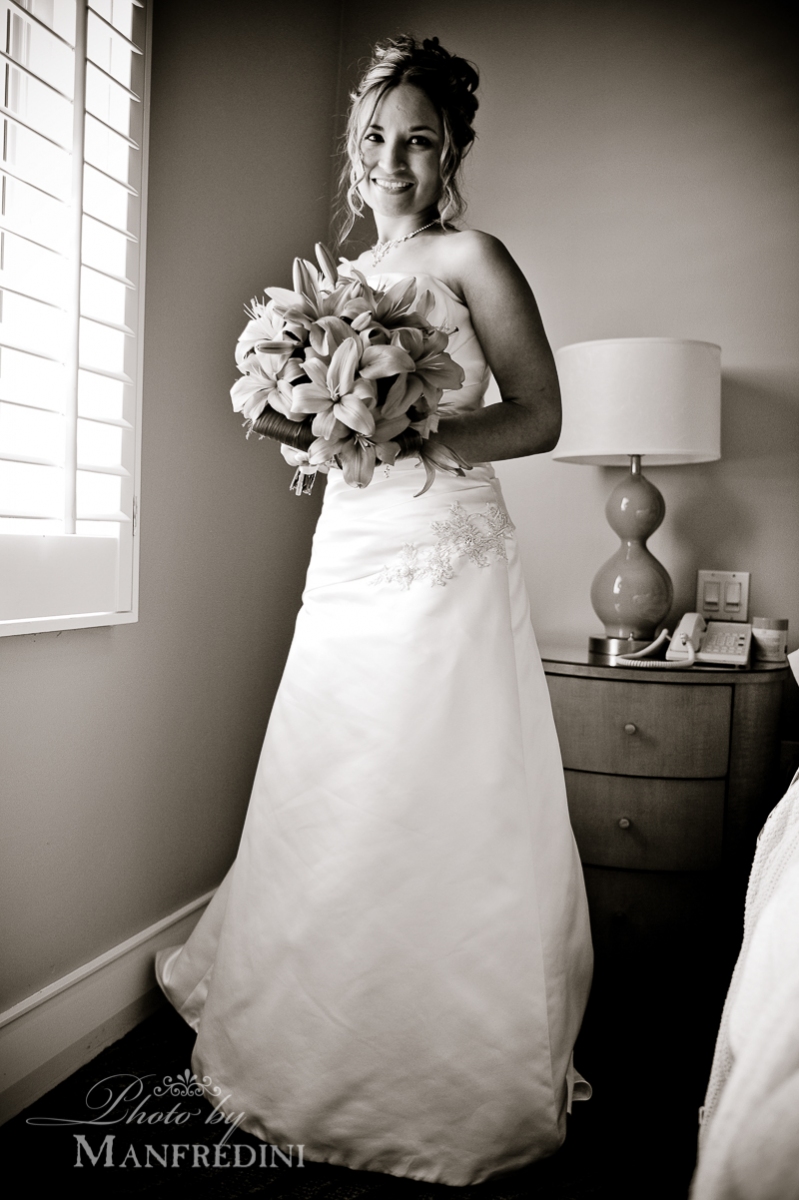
508	326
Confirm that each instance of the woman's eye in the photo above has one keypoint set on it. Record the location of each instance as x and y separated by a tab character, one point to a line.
418	140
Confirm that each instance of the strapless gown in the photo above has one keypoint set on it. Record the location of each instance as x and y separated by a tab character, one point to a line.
395	968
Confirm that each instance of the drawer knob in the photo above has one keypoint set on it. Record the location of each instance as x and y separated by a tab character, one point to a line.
630	728
625	823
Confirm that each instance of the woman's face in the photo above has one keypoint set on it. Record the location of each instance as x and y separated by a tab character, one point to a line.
401	151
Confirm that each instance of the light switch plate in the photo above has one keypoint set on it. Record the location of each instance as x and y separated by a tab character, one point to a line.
722	595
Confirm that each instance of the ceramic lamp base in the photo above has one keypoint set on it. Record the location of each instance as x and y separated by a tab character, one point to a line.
632	591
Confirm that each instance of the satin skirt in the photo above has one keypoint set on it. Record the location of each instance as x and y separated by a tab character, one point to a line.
394	970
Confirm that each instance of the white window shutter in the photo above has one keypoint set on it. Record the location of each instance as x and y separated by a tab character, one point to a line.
74	92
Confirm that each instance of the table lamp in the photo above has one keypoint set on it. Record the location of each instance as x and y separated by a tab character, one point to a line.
624	400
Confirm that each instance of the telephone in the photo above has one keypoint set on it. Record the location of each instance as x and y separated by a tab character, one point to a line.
717	643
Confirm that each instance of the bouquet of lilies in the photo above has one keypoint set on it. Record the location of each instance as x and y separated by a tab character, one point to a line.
353	365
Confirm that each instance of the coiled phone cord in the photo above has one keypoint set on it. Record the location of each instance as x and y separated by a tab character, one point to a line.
643	658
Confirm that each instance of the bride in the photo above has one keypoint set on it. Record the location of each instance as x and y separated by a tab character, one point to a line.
394	971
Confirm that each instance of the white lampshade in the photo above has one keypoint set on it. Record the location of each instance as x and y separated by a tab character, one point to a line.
657	397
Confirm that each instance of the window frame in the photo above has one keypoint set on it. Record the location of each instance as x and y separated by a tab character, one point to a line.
128	547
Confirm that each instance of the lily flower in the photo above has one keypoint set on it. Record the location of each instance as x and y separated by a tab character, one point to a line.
327	334
436	370
398	306
403	394
252	393
268	333
260	387
381	362
306	279
334	393
386	431
310	300
358	454
357	457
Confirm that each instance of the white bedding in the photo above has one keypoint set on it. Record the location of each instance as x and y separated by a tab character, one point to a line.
749	1136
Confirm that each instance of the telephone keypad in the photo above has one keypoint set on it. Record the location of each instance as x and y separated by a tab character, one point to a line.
725	642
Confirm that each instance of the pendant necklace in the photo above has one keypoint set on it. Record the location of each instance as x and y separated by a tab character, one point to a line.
381	249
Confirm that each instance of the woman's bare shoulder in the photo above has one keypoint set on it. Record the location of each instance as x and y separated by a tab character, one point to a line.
470	247
472	255
480	262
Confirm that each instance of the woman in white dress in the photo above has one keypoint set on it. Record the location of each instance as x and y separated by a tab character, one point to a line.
394	971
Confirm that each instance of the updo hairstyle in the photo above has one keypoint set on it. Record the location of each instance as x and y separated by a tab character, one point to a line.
448	82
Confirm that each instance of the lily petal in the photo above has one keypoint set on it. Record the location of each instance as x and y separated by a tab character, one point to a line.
276	346
443	370
324	423
286	393
385	431
305	278
435	341
352	411
357	463
343	365
325	449
411	340
335	330
316	371
362	321
327	263
285	299
292	370
425	303
378	362
430	475
387	451
366	390
308	398
402	395
399	296
249	396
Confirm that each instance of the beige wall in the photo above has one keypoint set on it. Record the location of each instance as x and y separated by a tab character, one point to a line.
640	161
128	753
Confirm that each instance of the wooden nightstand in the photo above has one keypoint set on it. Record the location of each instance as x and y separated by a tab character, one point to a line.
670	775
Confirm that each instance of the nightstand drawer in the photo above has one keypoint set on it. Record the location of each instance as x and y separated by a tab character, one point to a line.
673	730
646	824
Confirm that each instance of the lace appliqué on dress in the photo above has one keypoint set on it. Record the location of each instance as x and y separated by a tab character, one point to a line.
480	537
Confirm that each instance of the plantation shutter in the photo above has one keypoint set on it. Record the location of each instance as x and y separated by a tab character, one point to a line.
71	273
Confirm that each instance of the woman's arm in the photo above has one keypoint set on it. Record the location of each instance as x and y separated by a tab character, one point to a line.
508	325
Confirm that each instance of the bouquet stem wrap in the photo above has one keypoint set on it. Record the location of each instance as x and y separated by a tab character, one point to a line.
290	433
300	437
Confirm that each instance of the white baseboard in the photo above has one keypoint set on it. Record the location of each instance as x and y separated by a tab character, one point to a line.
49	1035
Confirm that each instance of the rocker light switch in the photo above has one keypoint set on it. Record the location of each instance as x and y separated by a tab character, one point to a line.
722	595
712	597
732	597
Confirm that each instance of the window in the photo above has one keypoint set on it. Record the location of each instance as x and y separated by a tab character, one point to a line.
74	91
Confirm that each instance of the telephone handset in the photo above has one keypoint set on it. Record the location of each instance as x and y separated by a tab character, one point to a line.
717	643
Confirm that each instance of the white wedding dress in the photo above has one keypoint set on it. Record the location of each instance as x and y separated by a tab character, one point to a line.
395	968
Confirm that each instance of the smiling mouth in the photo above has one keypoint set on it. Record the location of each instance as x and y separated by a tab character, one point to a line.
392	185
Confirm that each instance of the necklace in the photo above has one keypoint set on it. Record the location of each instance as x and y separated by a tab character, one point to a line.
381	249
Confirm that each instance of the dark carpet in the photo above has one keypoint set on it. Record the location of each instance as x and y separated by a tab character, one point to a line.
634	1140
